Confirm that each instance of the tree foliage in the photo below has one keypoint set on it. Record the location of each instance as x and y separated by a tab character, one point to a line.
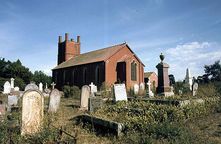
213	72
21	74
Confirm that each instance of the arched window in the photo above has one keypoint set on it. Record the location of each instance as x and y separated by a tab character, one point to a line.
97	75
133	71
85	75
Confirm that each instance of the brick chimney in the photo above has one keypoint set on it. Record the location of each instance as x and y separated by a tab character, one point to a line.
68	48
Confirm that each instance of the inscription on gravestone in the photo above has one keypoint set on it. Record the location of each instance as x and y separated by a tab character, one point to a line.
120	92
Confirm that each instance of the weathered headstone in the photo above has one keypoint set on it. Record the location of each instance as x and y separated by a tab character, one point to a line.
12	82
95	103
31	86
195	88
54	101
150	93
120	92
85	93
32	112
142	86
7	88
12	101
16	88
93	88
136	89
53	85
41	87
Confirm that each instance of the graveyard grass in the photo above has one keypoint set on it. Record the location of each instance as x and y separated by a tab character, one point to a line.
144	122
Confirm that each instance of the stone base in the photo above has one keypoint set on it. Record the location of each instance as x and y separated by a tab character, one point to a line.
166	94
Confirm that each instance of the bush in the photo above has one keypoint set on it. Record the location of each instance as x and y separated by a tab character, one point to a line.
20	83
71	92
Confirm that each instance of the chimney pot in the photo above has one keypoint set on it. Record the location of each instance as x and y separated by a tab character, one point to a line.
78	39
66	36
59	39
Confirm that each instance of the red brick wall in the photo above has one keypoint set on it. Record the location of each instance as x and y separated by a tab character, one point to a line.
127	56
153	77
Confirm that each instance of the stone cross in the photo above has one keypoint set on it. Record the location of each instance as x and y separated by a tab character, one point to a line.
53	85
40	86
85	93
54	101
12	82
32	112
150	93
7	88
93	88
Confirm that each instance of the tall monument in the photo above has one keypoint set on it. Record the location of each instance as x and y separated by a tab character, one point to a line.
188	79
163	88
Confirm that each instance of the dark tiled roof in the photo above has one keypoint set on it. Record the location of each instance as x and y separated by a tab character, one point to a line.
147	74
91	57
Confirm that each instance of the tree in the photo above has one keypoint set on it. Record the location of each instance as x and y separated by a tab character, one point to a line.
213	72
172	79
39	76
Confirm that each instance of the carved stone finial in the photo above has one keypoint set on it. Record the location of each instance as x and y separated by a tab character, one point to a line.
162	57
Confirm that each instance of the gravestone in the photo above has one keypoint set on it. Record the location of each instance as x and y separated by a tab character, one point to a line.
142	86
149	91
136	89
2	111
93	88
95	103
120	92
31	86
85	93
16	88
12	82
54	101
41	87
32	112
47	90
195	88
53	85
12	101
7	88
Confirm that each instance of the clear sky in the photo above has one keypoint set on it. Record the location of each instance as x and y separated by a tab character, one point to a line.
188	32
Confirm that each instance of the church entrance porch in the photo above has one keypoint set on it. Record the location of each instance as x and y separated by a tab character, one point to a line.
121	72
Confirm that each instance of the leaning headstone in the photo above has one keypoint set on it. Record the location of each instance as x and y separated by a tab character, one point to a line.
120	92
32	112
41	87
7	88
31	86
85	93
54	101
93	88
136	89
195	88
12	101
16	88
12	82
149	92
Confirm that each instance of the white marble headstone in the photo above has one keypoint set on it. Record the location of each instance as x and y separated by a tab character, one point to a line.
7	88
85	93
32	112
136	89
195	88
16	88
142	86
31	86
12	82
41	87
120	92
54	101
93	88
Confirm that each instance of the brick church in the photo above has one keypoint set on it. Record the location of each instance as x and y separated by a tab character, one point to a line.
113	64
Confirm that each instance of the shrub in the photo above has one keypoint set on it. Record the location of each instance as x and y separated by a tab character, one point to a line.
73	92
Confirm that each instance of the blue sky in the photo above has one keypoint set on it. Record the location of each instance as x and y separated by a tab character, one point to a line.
188	32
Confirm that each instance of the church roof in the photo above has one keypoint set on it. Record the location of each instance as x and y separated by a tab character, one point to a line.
93	56
148	74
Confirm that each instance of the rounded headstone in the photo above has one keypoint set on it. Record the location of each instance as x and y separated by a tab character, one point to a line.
31	86
54	101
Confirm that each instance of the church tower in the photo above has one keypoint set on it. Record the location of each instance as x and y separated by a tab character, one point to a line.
67	49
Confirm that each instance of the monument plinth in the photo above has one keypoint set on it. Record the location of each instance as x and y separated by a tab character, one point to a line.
163	88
